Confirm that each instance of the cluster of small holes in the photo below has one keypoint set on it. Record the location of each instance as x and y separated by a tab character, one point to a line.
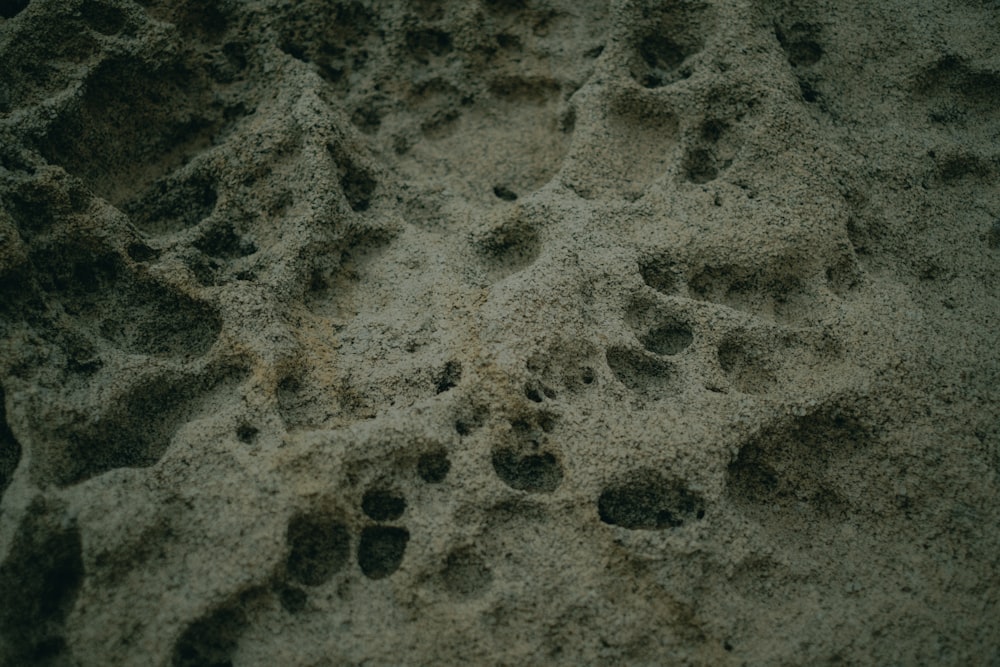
319	545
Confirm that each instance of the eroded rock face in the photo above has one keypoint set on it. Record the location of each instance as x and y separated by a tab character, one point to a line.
498	332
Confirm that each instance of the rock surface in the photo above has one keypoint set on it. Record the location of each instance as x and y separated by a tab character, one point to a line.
499	332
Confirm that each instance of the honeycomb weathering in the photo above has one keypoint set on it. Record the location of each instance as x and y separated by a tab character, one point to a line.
498	332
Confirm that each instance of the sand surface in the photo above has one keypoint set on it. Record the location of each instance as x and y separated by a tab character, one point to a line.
499	332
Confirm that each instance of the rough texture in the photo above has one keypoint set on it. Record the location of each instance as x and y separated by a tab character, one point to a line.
499	332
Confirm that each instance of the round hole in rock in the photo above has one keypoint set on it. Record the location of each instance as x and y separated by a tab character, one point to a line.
667	340
535	473
700	167
319	547
247	433
504	193
804	53
105	19
293	600
649	502
383	504
660	274
434	466
449	377
465	573
546	422
140	252
381	550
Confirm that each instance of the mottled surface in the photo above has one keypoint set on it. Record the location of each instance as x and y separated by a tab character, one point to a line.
499	332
